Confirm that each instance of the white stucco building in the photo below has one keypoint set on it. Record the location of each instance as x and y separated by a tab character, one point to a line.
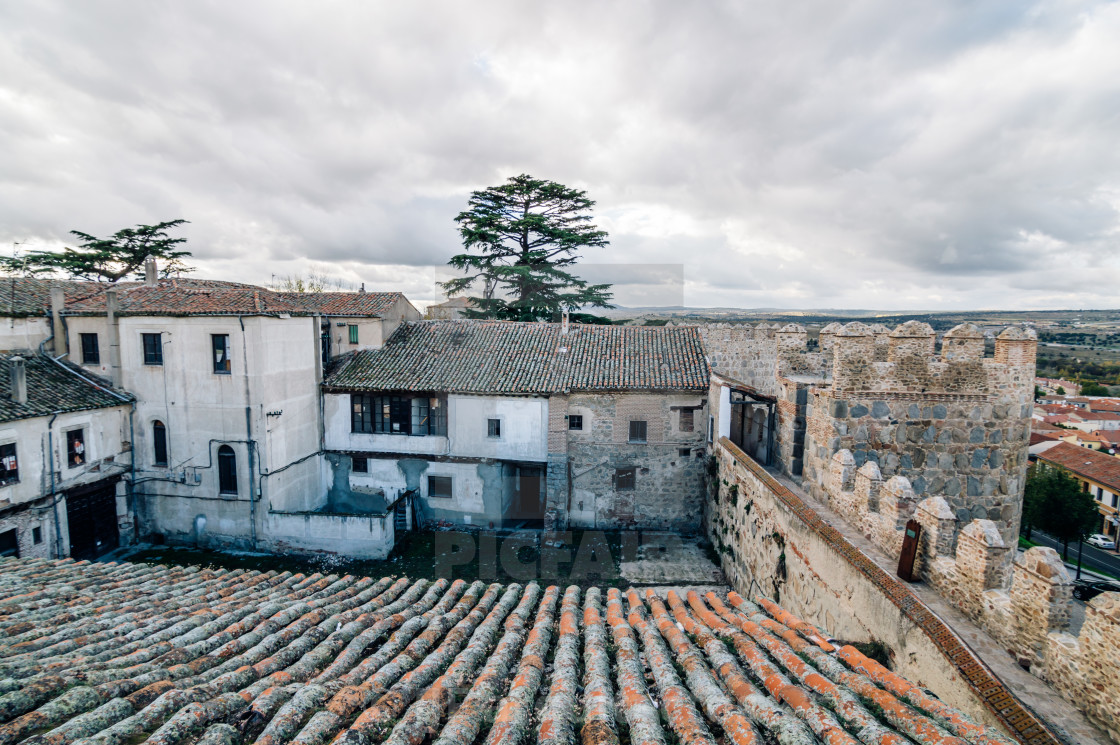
64	449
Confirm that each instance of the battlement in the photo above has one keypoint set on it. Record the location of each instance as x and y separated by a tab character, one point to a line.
861	357
1019	602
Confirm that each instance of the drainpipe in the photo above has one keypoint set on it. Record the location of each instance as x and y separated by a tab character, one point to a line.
249	435
112	306
54	499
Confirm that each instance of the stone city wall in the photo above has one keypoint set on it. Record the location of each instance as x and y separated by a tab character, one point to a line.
956	425
772	543
1024	602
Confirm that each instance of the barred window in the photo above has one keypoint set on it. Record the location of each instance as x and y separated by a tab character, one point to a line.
637	430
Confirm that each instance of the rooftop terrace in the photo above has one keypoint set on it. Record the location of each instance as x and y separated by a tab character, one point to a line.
127	653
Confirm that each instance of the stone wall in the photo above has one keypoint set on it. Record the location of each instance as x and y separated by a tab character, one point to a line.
955	425
772	543
1024	604
584	464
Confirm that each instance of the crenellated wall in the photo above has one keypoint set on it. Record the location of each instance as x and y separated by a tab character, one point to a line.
772	543
955	424
1024	602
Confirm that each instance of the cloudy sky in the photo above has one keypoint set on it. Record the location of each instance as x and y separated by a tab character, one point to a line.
864	154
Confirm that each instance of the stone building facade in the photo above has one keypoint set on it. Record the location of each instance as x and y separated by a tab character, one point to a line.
546	425
953	422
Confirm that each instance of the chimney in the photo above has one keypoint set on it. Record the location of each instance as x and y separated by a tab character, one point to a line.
58	302
151	271
17	380
564	320
361	289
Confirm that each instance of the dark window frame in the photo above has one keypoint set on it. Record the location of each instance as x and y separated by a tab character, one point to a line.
626	479
91	350
494	428
422	415
37	535
227	470
152	344
76	454
638	431
441	493
359	464
220	354
575	422
159	444
9	475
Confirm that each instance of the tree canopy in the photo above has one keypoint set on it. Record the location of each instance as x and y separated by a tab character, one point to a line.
1053	502
108	259
521	237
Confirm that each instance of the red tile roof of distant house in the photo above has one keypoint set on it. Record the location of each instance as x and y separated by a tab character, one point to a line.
1090	464
345	303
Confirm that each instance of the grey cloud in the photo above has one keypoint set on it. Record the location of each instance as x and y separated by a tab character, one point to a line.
952	153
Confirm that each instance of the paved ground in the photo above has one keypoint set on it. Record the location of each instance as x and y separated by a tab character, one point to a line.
1091	558
1032	692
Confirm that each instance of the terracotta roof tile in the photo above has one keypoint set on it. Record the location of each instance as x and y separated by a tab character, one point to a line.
53	387
526	358
1100	467
126	652
345	303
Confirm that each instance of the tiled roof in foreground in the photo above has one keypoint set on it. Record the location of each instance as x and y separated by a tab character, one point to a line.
524	358
110	654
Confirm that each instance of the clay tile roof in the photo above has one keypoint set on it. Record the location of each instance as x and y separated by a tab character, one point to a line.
526	358
54	387
123	652
371	304
1100	467
180	297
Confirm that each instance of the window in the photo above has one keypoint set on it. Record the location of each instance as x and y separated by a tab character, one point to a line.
220	345
687	421
227	470
153	349
359	464
439	487
36	536
159	444
9	543
624	479
9	465
637	430
91	354
76	447
398	415
493	427
353	334
575	421
684	452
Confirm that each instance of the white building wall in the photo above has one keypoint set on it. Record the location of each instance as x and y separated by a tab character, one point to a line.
23	333
524	429
271	397
105	436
